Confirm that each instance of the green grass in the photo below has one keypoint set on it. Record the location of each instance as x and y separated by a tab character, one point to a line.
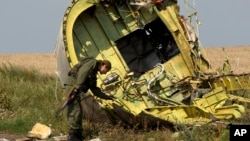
28	97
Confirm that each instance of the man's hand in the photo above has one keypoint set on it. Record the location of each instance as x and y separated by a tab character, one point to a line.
108	96
75	90
111	97
71	96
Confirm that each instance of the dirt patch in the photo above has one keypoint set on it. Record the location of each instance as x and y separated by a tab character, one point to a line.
11	137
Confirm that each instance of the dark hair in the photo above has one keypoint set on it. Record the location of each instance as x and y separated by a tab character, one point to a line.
107	63
104	62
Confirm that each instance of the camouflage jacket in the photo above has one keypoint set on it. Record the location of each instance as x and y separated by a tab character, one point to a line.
85	74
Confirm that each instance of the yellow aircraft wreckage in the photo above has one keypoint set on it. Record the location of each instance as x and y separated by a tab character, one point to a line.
159	75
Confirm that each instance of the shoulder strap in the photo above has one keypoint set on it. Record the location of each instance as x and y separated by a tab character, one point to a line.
76	67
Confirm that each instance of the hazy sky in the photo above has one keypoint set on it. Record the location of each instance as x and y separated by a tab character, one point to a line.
32	26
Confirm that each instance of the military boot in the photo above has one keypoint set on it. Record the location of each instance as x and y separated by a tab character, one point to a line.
75	137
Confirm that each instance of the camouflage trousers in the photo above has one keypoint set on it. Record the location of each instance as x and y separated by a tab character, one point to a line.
74	109
74	116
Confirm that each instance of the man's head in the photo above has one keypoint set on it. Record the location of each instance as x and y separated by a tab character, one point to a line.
104	66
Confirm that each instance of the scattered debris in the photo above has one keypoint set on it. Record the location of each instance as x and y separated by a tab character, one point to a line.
39	131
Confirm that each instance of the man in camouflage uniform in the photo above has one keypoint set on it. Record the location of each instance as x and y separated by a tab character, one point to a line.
83	77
